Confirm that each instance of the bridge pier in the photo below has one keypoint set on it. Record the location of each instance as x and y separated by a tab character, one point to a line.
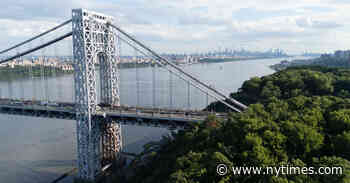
88	141
101	143
111	141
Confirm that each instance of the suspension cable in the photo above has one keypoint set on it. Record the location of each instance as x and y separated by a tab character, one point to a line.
36	48
36	37
162	59
153	83
184	79
188	96
136	64
170	92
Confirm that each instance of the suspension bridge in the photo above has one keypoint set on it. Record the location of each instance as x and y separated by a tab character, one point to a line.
93	43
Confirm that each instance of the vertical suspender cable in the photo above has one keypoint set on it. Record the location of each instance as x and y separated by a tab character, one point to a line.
207	99
218	94
188	95
32	78
70	60
153	83
119	51
35	81
55	76
42	59
42	76
171	90
46	70
31	74
21	73
9	87
137	79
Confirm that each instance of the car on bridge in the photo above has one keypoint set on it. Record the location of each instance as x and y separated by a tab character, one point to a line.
18	103
52	104
44	103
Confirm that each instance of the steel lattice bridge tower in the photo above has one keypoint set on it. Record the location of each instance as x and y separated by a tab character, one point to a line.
99	140
94	39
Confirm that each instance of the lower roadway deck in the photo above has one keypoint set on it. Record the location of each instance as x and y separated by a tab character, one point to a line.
125	115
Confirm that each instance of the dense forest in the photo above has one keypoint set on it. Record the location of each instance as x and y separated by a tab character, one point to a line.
297	117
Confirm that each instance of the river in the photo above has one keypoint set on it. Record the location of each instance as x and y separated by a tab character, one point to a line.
38	150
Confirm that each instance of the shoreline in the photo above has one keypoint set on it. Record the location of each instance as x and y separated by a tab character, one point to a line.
222	60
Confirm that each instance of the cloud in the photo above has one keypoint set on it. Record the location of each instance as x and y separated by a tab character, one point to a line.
318	24
319	9
35	9
192	25
248	14
340	1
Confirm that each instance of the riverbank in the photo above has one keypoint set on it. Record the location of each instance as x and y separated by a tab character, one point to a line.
19	72
284	64
339	59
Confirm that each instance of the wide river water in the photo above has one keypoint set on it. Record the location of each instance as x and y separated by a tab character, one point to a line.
38	150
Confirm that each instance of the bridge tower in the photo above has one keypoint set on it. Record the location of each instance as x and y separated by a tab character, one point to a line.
94	40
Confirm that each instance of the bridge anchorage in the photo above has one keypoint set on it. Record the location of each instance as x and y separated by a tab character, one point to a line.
94	40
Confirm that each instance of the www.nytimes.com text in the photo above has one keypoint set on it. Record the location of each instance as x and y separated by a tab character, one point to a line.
223	169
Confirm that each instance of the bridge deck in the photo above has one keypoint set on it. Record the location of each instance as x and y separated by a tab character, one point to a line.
123	114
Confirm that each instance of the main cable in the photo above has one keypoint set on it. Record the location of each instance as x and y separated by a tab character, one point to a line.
36	37
184	79
162	59
36	48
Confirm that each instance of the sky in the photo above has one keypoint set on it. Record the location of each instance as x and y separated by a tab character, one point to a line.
186	26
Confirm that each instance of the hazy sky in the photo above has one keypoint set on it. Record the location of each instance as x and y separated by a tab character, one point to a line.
197	25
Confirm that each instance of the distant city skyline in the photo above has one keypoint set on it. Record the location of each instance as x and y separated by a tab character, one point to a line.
180	26
214	51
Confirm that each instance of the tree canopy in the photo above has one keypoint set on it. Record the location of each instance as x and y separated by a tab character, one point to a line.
296	117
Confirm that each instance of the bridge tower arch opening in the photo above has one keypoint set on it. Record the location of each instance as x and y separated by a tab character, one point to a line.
94	40
108	93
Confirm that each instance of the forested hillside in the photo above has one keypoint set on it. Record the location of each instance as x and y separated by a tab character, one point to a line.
297	117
